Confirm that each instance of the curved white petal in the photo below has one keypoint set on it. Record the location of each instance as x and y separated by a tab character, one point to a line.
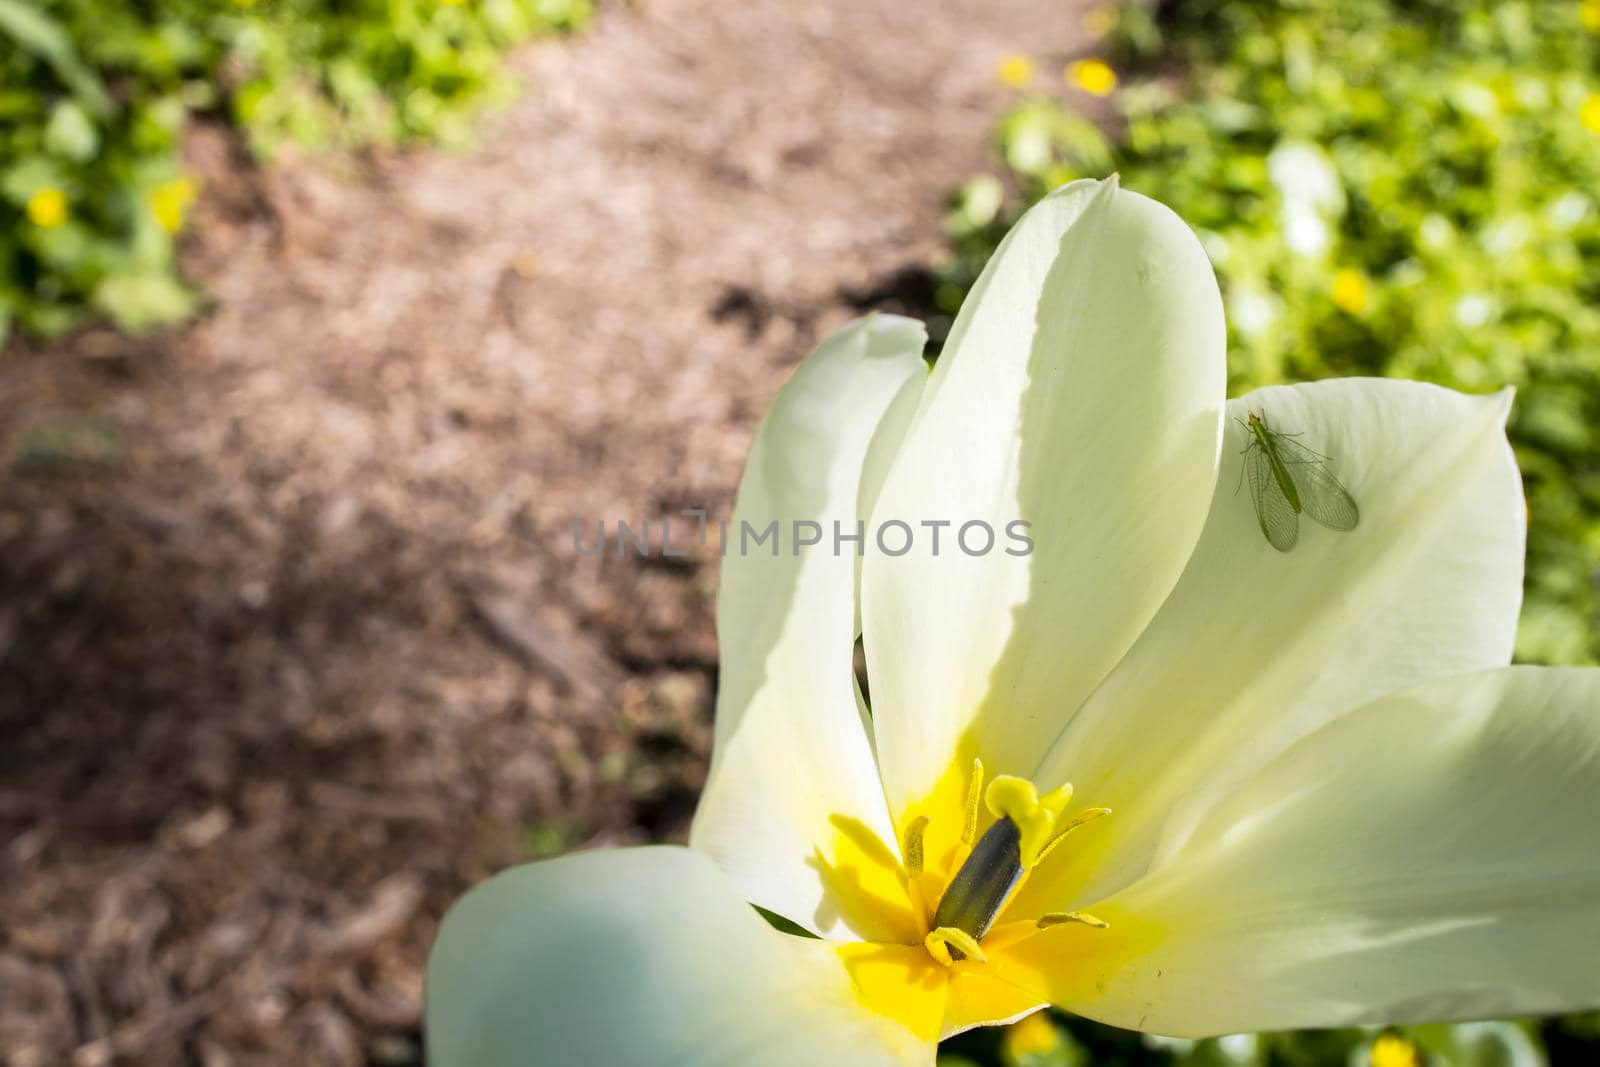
1257	647
1081	391
1430	856
638	958
793	790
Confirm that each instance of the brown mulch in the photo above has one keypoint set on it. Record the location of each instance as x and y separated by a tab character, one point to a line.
295	642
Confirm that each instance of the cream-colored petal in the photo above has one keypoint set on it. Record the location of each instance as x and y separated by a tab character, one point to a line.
794	803
638	958
1430	856
1081	391
881	454
1258	647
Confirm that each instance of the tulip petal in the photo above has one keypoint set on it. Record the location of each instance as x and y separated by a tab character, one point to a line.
1428	857
1081	391
793	810
636	958
1256	647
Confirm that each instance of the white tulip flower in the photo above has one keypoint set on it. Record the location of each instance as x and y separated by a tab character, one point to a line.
1306	788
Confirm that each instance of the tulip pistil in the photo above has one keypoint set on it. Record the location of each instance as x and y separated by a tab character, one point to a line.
974	896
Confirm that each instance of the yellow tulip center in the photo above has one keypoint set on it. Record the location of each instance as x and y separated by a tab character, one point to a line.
953	941
988	869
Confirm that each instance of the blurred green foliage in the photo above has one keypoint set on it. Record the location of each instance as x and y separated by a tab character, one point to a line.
1052	1040
94	96
1394	187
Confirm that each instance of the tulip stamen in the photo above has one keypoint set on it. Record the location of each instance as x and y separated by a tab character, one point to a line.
969	831
948	944
1009	934
913	849
1087	815
1059	918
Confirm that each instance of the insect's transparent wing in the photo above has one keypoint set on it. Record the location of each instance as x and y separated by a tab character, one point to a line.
1322	496
1279	524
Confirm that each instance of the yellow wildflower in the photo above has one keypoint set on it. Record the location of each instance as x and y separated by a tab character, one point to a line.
47	208
1016	70
1033	1036
169	202
1350	291
1093	76
1392	1050
1589	112
1099	21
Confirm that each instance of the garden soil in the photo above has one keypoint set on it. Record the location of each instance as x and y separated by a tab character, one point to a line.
295	640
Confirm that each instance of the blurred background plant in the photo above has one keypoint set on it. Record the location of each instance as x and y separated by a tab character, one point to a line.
1389	187
1047	1040
94	97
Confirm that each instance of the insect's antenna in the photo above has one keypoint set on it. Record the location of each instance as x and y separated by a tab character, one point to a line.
1249	443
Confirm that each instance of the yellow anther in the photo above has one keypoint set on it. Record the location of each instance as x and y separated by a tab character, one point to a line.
969	830
940	941
1087	815
914	844
1061	918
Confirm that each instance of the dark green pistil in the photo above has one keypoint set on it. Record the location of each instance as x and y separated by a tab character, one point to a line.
980	887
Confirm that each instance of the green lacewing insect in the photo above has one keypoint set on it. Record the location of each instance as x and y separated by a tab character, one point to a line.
1286	479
